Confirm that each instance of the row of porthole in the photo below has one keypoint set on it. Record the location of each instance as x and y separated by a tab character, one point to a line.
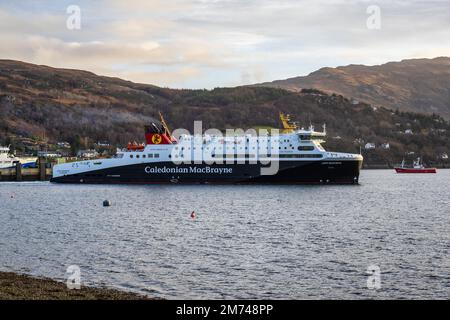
156	155
286	140
246	148
150	155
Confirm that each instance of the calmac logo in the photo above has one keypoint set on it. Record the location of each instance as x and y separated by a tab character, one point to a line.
156	139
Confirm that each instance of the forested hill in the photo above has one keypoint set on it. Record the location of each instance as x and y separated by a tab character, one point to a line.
417	85
40	105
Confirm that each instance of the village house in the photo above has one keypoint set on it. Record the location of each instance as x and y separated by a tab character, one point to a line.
369	145
48	154
63	144
89	154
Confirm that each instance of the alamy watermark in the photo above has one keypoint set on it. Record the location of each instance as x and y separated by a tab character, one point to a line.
373	22
74	279
235	147
73	21
374	278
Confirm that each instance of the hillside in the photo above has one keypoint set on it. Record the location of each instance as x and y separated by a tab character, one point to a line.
40	106
419	85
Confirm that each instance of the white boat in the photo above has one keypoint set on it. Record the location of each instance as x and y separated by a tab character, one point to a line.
6	159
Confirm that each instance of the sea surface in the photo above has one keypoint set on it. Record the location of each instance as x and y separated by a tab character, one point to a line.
247	242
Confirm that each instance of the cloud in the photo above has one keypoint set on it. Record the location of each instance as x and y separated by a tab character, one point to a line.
209	43
166	77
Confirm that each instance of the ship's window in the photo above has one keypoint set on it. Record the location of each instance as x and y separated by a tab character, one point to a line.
150	155
301	156
156	155
131	156
305	148
170	156
143	156
137	156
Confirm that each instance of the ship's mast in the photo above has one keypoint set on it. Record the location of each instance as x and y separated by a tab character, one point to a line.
288	125
166	128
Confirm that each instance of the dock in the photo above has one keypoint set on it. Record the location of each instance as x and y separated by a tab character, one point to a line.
43	172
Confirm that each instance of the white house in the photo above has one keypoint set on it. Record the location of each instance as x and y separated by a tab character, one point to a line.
369	145
87	154
63	144
386	146
48	154
103	144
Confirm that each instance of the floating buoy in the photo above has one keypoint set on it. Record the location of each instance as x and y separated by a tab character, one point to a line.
106	203
193	215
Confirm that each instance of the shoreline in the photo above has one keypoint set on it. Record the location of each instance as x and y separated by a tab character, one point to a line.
15	286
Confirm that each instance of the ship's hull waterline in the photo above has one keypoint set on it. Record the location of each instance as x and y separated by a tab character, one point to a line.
289	172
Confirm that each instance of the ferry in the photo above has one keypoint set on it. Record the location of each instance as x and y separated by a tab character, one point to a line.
294	156
417	167
8	160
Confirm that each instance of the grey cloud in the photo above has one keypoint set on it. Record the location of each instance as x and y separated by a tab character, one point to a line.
182	42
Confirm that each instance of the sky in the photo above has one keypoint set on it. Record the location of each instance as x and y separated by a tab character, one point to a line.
216	43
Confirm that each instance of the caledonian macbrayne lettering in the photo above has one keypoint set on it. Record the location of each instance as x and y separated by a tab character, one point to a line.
164	169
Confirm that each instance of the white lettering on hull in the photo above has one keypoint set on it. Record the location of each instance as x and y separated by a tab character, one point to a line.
195	170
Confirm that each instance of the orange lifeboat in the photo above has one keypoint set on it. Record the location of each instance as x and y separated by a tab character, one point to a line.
135	146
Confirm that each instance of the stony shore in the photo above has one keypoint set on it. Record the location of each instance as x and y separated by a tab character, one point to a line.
22	287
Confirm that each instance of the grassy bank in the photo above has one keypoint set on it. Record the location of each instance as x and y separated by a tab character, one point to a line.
21	287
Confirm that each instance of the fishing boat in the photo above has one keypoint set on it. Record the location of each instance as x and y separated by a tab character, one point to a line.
417	167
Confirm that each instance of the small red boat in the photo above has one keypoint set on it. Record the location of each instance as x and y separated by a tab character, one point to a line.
417	167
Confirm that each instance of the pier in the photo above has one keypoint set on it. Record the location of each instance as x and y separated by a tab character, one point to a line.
43	172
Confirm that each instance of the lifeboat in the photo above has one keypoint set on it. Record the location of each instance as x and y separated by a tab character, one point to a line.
135	146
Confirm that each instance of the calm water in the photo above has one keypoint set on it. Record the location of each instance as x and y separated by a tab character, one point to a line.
298	242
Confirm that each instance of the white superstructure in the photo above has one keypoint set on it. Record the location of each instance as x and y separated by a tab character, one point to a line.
6	160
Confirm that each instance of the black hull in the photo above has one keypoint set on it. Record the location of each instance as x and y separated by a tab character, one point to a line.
290	172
